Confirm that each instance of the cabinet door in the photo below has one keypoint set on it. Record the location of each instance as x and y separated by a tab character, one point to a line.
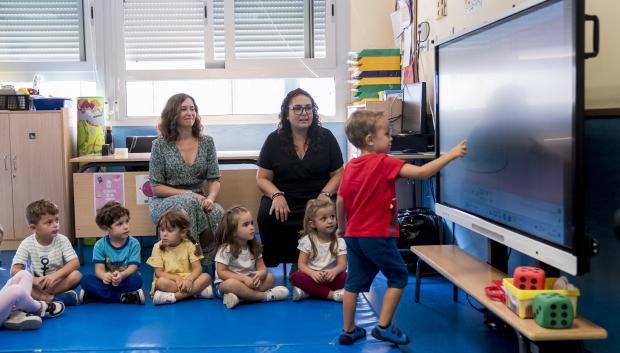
6	190
37	149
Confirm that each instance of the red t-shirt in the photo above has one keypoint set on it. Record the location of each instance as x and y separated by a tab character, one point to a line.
369	193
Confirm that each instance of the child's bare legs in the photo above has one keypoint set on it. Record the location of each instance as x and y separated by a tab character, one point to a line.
391	298
349	301
170	286
244	292
16	294
67	283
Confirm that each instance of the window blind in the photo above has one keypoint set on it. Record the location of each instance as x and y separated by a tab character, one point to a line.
272	28
164	31
41	31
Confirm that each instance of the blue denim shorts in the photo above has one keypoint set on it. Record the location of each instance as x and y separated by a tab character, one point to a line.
217	291
367	256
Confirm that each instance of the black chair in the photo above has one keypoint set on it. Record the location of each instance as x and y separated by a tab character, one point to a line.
138	144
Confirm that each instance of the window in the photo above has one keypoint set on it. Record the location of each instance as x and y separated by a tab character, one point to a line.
228	96
191	34
41	31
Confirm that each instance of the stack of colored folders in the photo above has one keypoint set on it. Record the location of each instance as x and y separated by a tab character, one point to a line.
375	71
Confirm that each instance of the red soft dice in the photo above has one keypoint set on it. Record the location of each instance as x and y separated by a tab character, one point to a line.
529	278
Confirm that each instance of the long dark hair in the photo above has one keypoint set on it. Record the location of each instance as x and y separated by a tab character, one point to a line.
284	126
168	124
227	233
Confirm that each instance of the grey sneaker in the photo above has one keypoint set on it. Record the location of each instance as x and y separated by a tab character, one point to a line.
20	320
299	294
54	309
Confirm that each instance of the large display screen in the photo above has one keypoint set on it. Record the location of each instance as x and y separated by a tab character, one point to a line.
510	89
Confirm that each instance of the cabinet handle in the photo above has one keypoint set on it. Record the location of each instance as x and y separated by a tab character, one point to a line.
14	166
6	167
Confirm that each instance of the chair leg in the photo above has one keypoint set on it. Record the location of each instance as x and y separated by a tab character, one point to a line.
284	272
418	279
455	293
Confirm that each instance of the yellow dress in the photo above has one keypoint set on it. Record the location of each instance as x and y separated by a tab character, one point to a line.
174	260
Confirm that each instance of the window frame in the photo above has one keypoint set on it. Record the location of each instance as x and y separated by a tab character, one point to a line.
56	70
326	67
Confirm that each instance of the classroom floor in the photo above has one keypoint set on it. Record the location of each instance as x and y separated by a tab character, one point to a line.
436	324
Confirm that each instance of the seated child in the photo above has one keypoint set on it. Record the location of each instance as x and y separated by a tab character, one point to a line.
322	255
177	262
18	311
116	257
48	255
240	272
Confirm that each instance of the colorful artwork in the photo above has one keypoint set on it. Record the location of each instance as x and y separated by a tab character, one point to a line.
90	136
144	191
108	187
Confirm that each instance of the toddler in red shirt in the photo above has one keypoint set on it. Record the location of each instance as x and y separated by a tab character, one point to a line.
366	211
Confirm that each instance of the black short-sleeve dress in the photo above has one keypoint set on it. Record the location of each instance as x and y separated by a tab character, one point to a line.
300	180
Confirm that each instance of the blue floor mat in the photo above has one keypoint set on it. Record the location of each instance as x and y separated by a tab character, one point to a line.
199	325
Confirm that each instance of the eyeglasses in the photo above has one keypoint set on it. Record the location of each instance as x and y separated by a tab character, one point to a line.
299	109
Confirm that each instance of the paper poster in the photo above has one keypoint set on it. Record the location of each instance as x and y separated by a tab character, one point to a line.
108	187
472	5
144	192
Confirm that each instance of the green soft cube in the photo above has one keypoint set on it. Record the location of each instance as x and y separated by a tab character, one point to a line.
553	310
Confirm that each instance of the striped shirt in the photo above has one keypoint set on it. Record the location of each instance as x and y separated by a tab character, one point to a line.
44	260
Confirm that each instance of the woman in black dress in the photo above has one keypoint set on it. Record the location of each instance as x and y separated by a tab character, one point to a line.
299	161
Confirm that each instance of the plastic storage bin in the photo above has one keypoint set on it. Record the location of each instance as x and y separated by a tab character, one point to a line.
14	102
520	301
49	103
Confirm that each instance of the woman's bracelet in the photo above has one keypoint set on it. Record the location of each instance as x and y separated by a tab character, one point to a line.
326	193
276	194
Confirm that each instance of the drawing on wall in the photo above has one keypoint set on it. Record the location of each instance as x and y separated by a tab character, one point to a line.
144	191
442	8
472	5
108	187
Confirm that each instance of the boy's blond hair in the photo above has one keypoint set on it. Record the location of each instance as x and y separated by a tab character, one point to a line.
111	212
37	209
360	124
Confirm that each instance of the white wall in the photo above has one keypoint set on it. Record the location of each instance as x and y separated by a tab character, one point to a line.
370	25
602	76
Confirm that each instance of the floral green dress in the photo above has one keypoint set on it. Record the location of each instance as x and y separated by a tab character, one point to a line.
167	167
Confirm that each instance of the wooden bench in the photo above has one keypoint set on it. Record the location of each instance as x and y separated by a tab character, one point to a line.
472	275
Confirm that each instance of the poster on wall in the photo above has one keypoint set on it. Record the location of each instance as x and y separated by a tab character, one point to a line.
108	187
472	5
144	192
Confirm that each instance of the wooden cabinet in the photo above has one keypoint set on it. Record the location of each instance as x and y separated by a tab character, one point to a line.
35	148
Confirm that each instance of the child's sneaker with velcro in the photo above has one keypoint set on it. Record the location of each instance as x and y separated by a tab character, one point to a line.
390	334
85	297
230	300
135	297
348	338
299	294
20	320
338	294
160	298
52	309
276	293
206	293
70	298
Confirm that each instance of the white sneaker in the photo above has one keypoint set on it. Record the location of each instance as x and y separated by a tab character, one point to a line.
206	293
163	298
276	293
20	320
230	300
299	294
338	294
